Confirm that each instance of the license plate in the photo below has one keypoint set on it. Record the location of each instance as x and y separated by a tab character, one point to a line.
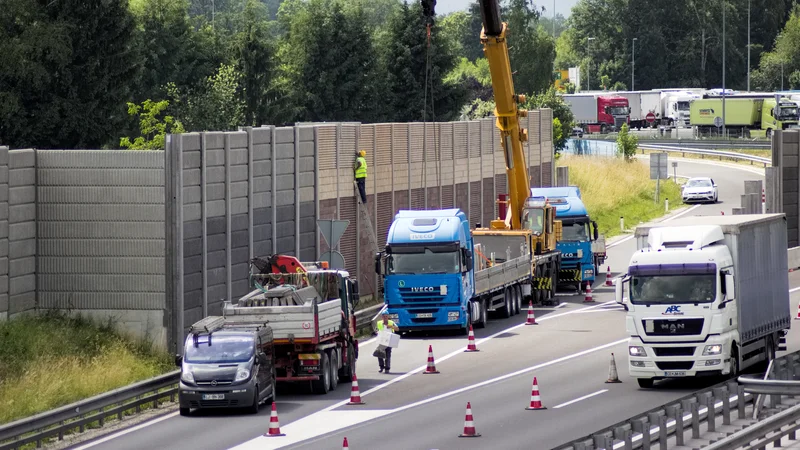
424	315
213	396
674	374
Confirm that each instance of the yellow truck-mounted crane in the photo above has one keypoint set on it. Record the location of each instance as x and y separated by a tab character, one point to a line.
529	228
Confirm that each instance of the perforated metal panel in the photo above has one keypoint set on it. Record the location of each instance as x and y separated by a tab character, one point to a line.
475	203
326	146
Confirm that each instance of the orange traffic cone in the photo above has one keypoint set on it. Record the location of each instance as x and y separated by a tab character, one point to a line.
344	445
798	313
588	298
471	342
431	366
469	426
274	425
608	276
531	319
355	395
536	402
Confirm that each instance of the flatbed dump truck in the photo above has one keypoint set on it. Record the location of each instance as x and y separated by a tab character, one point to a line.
311	311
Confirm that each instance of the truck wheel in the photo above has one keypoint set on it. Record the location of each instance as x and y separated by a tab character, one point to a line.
323	385
507	310
734	362
645	383
347	372
334	369
517	302
481	323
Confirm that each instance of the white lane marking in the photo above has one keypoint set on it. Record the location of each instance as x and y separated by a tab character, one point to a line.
794	289
561	305
626	239
309	427
580	398
126	431
708	163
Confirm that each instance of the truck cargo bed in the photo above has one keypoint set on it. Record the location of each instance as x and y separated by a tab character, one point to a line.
503	274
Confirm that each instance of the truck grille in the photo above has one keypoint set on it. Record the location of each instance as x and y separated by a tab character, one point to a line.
674	351
672	327
675	365
407	295
619	121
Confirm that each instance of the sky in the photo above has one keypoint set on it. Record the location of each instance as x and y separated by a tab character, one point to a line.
563	7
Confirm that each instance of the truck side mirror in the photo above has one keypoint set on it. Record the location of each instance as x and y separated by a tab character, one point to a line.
619	290
378	263
178	360
468	263
354	295
596	234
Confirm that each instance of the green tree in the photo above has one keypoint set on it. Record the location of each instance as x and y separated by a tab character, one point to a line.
559	137
153	129
531	49
408	71
255	63
561	112
783	60
216	105
627	143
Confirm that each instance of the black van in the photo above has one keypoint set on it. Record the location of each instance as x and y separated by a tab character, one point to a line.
226	366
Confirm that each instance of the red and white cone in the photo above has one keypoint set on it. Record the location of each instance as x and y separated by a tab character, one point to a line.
798	313
431	365
469	425
608	276
536	401
355	395
588	298
344	445
531	319
274	425
471	342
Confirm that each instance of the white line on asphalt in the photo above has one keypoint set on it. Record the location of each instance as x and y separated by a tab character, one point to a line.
626	239
561	305
126	431
580	398
794	289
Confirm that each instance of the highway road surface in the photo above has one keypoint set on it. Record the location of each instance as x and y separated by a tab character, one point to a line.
569	353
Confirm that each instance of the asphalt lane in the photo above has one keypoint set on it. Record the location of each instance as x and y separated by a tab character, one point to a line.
562	332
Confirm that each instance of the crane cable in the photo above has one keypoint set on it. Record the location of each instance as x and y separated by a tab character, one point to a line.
436	139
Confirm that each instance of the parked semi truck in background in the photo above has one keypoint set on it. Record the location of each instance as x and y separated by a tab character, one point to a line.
641	104
604	111
676	107
438	274
582	249
706	295
744	113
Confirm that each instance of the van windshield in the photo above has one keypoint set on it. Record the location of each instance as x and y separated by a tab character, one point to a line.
219	349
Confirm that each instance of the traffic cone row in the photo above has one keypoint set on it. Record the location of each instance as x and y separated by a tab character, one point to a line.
274	425
471	343
531	318
608	276
355	395
431	365
588	298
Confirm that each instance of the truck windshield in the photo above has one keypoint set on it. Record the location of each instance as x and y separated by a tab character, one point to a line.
788	113
533	219
683	106
618	110
575	231
420	261
662	289
219	349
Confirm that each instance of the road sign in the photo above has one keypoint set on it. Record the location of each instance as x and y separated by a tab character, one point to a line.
332	230
658	166
650	117
718	122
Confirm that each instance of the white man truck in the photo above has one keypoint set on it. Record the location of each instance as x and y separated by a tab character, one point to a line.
705	295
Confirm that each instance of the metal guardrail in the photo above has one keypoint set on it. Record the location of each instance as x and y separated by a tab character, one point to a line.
96	410
714	153
695	143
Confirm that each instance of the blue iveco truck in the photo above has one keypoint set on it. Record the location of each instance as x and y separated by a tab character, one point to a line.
435	276
583	251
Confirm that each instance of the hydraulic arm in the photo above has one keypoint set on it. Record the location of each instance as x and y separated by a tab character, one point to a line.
512	135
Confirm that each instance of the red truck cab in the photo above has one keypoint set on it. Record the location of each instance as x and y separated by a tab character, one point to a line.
612	112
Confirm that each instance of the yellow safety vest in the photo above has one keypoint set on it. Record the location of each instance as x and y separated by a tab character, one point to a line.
361	172
380	325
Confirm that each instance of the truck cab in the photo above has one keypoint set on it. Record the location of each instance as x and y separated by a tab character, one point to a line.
428	271
613	111
778	115
580	253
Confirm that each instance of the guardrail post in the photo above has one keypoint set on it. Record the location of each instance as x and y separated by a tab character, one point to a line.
711	415
740	402
695	421
579	446
662	432
624	435
638	427
601	441
676	412
726	406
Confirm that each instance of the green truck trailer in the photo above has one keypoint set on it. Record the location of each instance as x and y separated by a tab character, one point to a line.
743	115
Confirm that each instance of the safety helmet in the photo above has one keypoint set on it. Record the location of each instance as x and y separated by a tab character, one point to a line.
362	153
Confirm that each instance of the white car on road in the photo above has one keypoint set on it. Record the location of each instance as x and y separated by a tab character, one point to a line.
699	189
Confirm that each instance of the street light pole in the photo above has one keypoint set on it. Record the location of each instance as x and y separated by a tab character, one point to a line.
554	20
748	45
588	63
723	67
633	63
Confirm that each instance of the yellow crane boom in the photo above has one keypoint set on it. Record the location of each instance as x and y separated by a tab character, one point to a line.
512	135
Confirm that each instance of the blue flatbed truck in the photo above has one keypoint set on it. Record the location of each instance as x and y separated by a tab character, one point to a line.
438	276
583	250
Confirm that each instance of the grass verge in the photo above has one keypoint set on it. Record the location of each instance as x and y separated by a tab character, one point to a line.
51	360
611	187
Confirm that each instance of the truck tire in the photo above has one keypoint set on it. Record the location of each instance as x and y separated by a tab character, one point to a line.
465	331
334	358
518	301
481	323
734	362
507	310
323	385
645	383
347	372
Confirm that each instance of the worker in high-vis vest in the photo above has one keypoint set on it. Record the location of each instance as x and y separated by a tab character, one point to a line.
360	169
385	323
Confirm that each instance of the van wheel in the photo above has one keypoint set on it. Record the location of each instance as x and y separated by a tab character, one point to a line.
184	412
645	383
323	385
273	396
334	369
253	409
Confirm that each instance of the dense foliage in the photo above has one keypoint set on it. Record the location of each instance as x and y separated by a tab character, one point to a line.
76	74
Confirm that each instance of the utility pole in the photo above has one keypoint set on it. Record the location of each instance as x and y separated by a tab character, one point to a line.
724	7
748	45
633	63
554	20
588	63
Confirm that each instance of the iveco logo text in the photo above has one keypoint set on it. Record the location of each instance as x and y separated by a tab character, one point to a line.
422	289
420	236
673	311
